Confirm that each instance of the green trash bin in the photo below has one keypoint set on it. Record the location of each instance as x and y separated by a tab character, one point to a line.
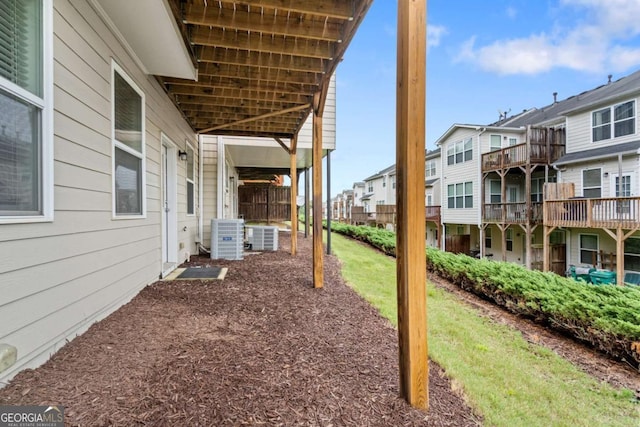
581	273
603	277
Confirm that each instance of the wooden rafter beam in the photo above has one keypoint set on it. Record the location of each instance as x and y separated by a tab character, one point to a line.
339	9
242	94
254	73
278	24
282	144
264	116
227	117
246	110
260	59
257	42
208	101
221	83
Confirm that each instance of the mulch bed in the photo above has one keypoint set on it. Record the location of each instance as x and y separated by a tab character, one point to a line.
261	347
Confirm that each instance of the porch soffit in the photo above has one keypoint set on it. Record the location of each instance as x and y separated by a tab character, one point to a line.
259	62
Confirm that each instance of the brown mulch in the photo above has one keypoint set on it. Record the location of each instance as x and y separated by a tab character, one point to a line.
261	347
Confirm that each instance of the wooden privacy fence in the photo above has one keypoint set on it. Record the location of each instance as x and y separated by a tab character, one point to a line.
264	203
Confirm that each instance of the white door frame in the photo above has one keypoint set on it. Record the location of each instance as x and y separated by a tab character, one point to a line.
169	204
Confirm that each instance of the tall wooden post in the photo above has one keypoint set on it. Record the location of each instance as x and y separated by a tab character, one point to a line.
307	218
410	157
294	196
317	193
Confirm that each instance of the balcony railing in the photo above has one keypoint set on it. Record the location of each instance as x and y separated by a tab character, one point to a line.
433	213
593	213
513	213
517	155
386	214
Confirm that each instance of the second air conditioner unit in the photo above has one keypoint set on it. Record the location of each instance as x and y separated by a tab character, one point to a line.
263	238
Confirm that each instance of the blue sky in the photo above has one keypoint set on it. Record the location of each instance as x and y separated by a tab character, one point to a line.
483	56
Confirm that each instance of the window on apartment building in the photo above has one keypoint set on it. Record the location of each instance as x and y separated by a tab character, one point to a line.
370	187
431	168
429	200
128	145
384	181
513	141
537	184
487	237
624	121
191	187
622	206
495	191
496	142
460	152
592	183
393	182
379	202
25	103
460	195
588	249
509	239
632	254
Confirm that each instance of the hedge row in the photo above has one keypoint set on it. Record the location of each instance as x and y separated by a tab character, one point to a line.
605	316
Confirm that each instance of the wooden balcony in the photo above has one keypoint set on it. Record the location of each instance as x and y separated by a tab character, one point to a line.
512	213
359	216
433	213
593	213
385	214
520	155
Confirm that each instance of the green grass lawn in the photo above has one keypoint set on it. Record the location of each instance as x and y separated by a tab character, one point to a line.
504	378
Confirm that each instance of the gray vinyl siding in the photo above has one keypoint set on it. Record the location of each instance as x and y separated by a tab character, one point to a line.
58	278
458	173
579	134
573	173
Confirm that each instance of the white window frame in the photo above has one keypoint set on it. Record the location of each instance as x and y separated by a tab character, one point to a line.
487	238
630	254
508	239
612	121
431	168
590	188
495	138
115	68
46	126
580	248
492	193
459	148
191	181
464	195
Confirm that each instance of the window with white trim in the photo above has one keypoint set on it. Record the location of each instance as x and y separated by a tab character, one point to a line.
191	187
592	183
26	160
537	185
459	152
496	142
632	254
460	195
431	168
487	237
370	187
495	191
588	249
509	239
384	181
621	116
128	146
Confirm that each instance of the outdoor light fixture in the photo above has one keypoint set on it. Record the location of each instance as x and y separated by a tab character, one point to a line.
182	155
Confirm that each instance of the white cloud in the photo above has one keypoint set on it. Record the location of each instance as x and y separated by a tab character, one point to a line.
511	12
434	34
598	43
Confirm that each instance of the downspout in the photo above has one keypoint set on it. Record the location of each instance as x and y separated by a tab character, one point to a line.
200	192
220	170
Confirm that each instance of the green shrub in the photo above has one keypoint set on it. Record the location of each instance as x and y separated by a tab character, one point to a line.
605	316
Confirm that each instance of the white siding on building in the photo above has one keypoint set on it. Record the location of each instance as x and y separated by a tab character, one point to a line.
468	171
57	278
609	172
579	134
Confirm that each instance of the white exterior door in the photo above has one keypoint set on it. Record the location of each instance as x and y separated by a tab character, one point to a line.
169	207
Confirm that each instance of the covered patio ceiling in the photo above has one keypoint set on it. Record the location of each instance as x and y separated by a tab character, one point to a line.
259	62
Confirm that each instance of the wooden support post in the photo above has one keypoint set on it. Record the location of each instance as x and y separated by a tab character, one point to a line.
410	174
329	205
503	234
529	213
317	194
294	198
620	255
307	218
